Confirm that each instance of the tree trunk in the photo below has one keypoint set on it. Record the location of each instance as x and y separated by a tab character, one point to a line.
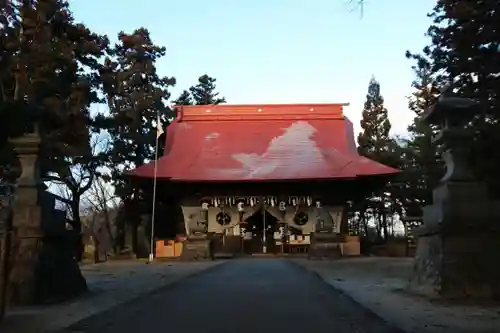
384	226
378	228
365	222
77	226
110	232
96	250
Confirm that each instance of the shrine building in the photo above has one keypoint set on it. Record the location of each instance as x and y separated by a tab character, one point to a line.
264	178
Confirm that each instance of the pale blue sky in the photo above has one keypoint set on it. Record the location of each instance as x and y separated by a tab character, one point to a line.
279	51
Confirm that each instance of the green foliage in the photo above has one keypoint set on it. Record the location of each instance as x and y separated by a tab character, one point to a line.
419	155
49	77
136	96
374	141
464	49
184	99
204	92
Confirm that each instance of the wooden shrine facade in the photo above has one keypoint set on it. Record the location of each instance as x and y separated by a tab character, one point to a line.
262	178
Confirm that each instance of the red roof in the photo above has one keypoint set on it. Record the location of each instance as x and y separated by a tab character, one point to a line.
261	143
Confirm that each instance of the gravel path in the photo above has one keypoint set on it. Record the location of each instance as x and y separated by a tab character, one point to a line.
379	284
248	295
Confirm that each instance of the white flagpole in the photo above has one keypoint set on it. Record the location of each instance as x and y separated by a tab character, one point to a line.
152	245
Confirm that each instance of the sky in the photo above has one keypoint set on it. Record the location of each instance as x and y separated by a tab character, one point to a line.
279	51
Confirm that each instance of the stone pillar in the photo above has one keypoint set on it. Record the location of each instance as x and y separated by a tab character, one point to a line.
5	237
459	241
27	231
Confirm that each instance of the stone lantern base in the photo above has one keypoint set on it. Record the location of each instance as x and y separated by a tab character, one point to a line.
458	245
26	247
42	265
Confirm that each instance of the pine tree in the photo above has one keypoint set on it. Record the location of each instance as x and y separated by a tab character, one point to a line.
136	96
64	83
48	73
184	99
204	92
423	164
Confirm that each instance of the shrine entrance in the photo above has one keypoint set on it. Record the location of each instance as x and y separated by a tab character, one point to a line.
261	231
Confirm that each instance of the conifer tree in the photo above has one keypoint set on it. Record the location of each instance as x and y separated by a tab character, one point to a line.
48	75
184	99
136	96
205	93
464	49
420	158
375	143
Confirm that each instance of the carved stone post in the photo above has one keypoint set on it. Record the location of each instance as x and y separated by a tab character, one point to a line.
459	241
27	230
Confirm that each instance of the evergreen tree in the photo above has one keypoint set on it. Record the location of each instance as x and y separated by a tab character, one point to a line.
420	158
15	112
204	92
136	96
184	99
49	77
464	50
64	83
375	143
424	153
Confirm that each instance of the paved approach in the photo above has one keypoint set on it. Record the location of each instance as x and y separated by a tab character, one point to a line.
247	295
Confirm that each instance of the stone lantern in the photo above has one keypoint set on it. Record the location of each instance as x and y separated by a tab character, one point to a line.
459	240
26	223
452	114
42	270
